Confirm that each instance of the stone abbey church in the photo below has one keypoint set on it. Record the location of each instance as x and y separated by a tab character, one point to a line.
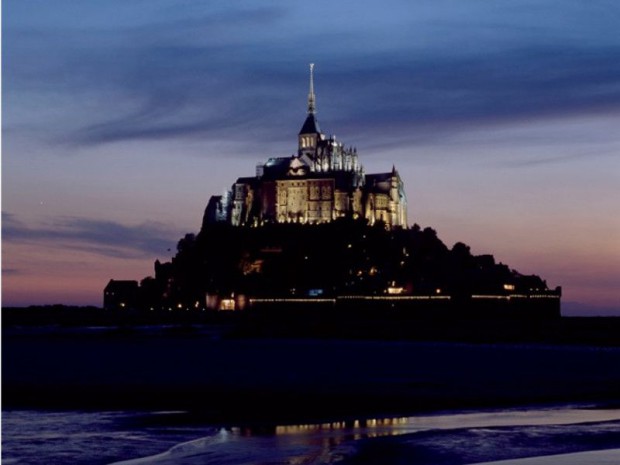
322	182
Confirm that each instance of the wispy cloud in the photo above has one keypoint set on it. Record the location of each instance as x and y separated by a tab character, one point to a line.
10	271
107	238
228	73
440	95
557	159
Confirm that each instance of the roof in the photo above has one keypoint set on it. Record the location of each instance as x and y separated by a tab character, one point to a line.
276	167
121	285
311	125
246	180
379	182
378	177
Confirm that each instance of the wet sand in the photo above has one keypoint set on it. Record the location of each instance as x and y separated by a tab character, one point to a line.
598	457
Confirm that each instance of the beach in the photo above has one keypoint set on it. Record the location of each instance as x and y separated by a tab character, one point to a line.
140	392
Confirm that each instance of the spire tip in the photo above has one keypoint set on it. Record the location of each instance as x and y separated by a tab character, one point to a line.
311	97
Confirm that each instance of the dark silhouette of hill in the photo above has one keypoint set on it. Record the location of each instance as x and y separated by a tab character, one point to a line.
338	258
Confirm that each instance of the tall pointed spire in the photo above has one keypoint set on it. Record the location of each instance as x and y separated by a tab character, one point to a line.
311	125
311	98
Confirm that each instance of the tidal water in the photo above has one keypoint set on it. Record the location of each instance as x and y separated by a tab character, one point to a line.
535	436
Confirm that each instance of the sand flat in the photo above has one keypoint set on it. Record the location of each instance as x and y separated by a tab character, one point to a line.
596	457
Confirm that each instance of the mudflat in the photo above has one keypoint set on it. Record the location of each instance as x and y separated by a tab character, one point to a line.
260	379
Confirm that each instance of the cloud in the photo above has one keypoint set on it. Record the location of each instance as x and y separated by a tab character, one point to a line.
509	85
106	238
440	94
172	76
10	271
228	74
550	160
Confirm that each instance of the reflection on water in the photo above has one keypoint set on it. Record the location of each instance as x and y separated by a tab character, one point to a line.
97	438
374	427
338	425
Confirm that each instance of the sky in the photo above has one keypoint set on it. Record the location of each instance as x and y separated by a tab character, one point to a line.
120	119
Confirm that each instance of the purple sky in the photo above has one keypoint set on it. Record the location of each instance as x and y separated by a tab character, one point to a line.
121	119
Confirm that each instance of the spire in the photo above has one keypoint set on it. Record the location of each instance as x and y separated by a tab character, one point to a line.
311	125
311	98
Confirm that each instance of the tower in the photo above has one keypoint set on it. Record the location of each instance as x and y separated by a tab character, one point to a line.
310	134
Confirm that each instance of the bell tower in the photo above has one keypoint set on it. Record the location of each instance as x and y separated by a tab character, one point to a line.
310	134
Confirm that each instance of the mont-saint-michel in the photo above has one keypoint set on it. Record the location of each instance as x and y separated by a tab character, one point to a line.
314	230
357	264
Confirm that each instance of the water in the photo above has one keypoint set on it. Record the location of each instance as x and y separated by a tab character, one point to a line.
48	437
173	438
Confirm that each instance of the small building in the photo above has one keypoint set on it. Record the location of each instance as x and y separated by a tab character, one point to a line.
120	295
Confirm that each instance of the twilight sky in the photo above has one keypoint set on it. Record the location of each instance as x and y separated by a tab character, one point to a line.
121	118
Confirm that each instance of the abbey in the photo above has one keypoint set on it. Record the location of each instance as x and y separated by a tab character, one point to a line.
323	181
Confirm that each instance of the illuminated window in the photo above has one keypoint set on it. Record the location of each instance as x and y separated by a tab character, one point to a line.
227	304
